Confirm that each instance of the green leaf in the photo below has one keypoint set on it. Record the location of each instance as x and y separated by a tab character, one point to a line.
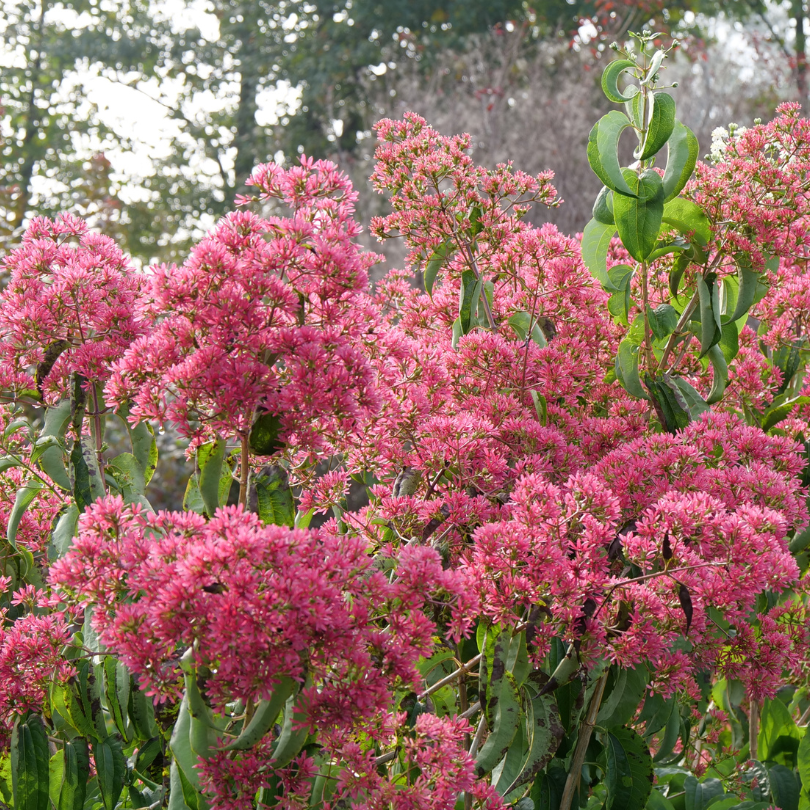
76	772
688	218
788	360
142	439
130	476
682	154
658	802
540	407
492	668
672	732
699	794
209	460
720	376
30	774
784	787
749	281
629	775
638	218
469	294
274	497
603	207
621	275
265	715
63	533
774	722
676	274
435	263
264	440
610	79
521	323
22	501
628	689
663	320
603	145
662	122
508	713
595	243
696	405
729	341
543	738
627	369
51	458
710	331
180	746
294	731
111	768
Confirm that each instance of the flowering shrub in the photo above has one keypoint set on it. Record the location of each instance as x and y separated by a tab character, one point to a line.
560	484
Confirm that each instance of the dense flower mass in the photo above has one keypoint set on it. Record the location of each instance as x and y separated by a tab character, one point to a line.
69	308
499	528
267	315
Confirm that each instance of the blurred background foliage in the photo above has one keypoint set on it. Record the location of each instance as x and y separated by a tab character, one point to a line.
215	87
236	83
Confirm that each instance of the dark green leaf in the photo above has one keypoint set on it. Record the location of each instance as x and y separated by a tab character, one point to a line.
29	765
682	154
75	775
699	794
784	787
720	374
610	79
274	498
638	218
469	294
621	704
111	768
603	145
629	775
435	263
627	369
595	243
662	122
603	207
209	459
264	440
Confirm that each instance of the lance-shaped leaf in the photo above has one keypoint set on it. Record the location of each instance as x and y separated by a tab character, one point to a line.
621	275
30	776
720	374
76	771
610	79
627	369
629	775
144	444
603	155
111	768
508	714
274	501
672	732
661	124
603	206
688	218
638	218
595	243
621	704
209	459
435	262
51	455
749	281
700	794
23	499
469	294
265	715
682	154
264	439
544	733
294	731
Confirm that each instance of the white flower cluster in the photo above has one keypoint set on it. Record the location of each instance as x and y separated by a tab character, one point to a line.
720	139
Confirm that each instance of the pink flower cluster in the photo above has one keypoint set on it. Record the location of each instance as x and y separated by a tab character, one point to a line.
267	315
69	308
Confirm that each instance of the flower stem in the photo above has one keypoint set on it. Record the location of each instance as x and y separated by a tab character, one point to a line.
244	470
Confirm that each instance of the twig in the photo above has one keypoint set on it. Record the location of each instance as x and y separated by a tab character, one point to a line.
479	735
451	677
572	782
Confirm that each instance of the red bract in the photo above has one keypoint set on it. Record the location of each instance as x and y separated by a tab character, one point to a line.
69	307
268	315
